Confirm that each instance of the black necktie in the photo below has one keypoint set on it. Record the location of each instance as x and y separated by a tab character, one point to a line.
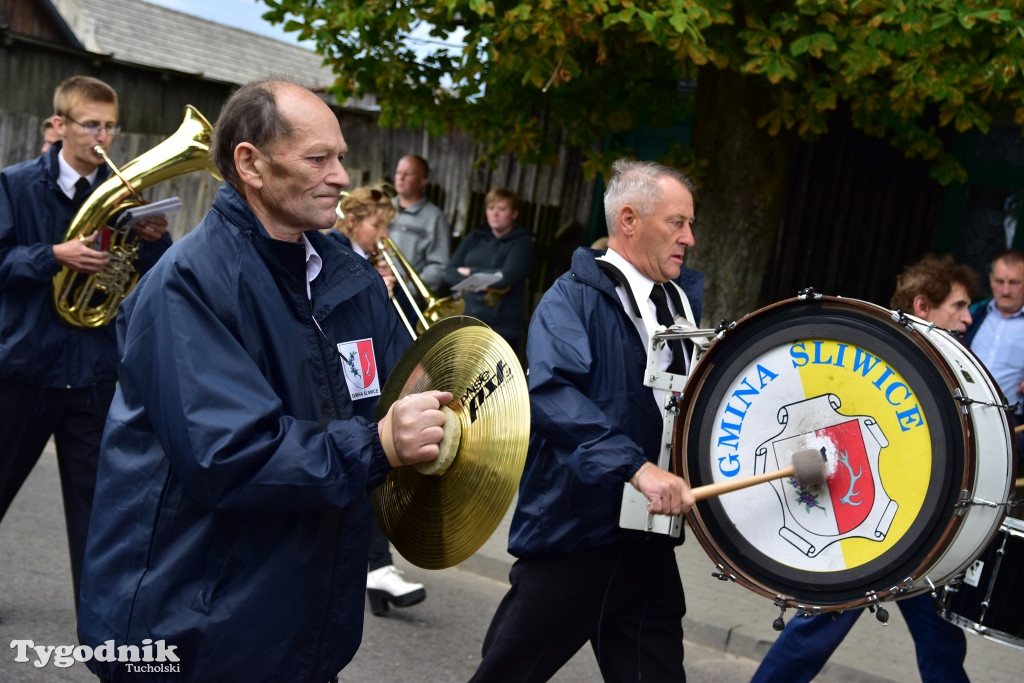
664	316
81	188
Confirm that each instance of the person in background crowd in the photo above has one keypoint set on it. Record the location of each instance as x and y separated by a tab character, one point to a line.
56	379
578	575
420	229
939	291
997	334
49	133
499	247
233	513
366	213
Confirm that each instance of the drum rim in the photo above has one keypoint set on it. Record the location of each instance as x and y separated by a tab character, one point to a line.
995	595
962	446
974	627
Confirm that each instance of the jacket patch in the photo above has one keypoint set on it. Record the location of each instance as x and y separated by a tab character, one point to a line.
360	368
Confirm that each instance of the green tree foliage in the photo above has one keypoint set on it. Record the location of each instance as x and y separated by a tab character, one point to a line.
908	69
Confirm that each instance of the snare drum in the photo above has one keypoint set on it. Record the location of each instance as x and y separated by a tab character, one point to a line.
919	452
989	597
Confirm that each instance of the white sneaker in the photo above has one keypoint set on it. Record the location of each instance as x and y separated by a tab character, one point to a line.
386	585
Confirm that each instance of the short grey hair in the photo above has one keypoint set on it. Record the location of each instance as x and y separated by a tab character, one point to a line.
636	183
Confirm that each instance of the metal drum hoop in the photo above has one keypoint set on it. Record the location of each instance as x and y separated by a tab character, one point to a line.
920	555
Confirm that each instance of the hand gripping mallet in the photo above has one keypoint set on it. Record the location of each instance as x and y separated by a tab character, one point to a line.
809	468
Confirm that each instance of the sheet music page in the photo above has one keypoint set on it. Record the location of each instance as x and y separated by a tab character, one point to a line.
477	282
164	207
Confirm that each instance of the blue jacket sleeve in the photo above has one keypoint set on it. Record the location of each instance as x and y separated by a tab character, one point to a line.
570	397
19	261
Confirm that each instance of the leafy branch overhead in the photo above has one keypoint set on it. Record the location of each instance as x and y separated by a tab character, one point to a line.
589	67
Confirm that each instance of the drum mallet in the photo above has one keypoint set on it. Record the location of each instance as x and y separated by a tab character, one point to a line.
809	468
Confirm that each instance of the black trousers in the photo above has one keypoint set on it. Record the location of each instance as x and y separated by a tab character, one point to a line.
75	419
626	599
380	548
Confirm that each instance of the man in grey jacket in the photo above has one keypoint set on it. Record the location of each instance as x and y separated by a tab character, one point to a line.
420	229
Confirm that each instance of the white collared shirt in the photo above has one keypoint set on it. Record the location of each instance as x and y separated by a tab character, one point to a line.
314	264
69	176
359	250
641	286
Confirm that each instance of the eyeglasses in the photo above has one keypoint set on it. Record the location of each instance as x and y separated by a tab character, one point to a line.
92	128
376	195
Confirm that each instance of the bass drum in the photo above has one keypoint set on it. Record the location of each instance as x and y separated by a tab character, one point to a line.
918	446
988	598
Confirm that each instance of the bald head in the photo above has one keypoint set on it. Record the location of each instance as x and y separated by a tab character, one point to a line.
281	147
258	113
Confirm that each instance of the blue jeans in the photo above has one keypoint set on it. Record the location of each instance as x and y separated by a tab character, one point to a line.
805	645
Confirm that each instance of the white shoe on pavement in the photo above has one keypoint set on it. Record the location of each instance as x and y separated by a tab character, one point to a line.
386	585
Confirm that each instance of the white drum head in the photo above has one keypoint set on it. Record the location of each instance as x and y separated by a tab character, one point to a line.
878	400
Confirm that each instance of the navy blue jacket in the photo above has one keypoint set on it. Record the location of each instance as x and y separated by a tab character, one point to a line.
232	514
36	346
594	423
338	239
512	256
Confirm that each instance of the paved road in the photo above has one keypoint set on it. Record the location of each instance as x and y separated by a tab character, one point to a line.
728	628
437	641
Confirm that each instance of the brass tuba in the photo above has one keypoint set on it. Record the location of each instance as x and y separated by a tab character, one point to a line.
91	299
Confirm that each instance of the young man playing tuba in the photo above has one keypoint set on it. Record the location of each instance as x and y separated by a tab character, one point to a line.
55	379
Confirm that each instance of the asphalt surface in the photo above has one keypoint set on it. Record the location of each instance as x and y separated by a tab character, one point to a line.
728	628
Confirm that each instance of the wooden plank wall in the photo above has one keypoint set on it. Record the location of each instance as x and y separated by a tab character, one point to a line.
561	193
152	103
30	19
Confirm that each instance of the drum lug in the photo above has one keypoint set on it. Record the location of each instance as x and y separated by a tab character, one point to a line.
966	501
808	293
875	606
900	318
722	574
902	587
966	401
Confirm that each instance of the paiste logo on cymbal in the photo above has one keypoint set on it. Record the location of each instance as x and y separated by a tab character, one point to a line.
485	384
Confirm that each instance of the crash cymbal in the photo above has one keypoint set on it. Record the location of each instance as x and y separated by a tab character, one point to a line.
438	520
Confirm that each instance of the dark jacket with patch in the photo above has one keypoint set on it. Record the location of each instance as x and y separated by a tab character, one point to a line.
232	514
